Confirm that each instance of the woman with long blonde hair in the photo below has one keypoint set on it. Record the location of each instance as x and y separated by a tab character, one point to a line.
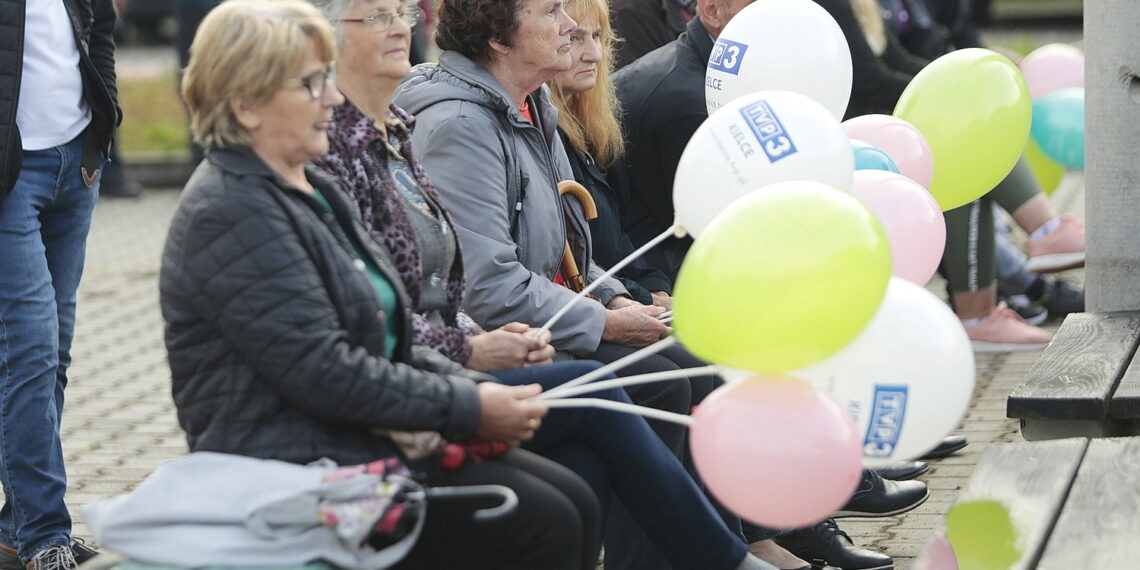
588	122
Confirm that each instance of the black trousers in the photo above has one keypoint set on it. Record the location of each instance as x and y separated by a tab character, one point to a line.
555	525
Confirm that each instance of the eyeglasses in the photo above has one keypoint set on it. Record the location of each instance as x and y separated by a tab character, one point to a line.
317	81
382	20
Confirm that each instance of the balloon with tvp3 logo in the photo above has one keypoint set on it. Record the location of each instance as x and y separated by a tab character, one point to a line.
906	379
791	45
757	140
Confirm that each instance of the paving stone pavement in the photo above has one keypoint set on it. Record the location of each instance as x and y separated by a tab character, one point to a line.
119	422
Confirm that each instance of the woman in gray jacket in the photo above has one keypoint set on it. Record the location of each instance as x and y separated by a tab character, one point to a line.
486	133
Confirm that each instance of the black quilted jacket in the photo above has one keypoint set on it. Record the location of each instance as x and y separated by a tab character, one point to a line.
92	22
276	337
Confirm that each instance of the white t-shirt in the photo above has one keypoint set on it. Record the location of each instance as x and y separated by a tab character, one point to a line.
52	110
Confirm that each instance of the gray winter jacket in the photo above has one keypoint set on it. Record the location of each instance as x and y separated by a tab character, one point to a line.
498	175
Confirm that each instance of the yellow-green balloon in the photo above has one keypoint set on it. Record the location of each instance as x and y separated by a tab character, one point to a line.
784	277
1047	172
973	107
983	536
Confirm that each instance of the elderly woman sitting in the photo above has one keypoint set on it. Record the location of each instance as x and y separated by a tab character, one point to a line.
285	320
372	155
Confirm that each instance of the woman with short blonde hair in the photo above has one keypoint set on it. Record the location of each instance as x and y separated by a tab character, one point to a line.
248	52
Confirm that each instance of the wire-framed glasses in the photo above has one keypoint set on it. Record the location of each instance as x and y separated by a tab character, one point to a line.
381	20
317	81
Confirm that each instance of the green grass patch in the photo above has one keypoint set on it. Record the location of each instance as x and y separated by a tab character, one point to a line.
154	121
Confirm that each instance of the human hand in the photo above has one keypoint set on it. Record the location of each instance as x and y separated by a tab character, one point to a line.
635	325
543	351
501	349
509	414
620	302
662	299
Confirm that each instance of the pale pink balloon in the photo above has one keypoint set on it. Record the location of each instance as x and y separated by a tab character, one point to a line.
900	140
911	217
936	555
776	450
1052	67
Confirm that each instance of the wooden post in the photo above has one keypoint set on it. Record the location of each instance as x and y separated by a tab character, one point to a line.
1112	154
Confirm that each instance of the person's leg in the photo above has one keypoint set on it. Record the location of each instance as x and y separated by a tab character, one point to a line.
649	480
1055	242
545	530
671	396
968	262
968	265
43	232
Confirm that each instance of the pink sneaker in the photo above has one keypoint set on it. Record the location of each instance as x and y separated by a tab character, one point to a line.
1063	248
1003	330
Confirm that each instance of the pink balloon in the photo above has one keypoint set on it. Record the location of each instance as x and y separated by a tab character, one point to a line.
936	555
900	140
776	450
911	217
1052	67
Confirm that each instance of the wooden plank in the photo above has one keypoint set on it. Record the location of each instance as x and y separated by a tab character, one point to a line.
1125	403
1101	519
1032	481
1077	373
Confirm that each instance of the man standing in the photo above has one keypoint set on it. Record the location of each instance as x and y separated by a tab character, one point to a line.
58	111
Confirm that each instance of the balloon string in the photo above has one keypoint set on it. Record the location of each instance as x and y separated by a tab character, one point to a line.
629	381
610	273
624	408
615	365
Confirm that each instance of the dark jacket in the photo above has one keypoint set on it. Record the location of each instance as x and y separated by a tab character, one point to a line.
643	26
611	245
275	333
663	101
877	81
92	22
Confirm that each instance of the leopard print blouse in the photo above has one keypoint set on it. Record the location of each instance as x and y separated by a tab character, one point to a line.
358	157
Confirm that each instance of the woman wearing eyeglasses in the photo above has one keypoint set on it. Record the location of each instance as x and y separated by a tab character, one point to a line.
286	323
372	155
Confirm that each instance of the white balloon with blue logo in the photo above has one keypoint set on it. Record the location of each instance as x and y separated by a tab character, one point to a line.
756	140
791	45
906	380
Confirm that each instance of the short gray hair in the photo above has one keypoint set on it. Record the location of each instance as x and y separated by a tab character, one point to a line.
335	10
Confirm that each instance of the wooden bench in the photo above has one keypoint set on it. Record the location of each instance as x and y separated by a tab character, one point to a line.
1074	503
1085	383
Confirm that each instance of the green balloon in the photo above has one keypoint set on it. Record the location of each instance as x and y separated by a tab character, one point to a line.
983	536
973	107
1047	172
786	276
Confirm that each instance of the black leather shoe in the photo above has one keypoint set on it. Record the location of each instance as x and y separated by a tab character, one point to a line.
903	471
947	447
824	544
878	497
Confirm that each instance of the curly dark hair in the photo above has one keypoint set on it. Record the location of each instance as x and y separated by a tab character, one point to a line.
466	26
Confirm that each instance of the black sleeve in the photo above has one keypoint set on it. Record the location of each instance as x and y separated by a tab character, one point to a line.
900	59
102	49
874	86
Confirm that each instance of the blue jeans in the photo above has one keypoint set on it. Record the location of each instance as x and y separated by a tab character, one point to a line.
617	452
43	239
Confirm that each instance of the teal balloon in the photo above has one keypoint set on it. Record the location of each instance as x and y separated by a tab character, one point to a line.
871	157
1059	126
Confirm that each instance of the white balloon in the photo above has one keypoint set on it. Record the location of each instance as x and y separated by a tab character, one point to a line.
906	380
756	140
791	45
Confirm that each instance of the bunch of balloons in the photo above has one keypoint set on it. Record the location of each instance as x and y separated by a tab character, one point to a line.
1055	75
812	240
